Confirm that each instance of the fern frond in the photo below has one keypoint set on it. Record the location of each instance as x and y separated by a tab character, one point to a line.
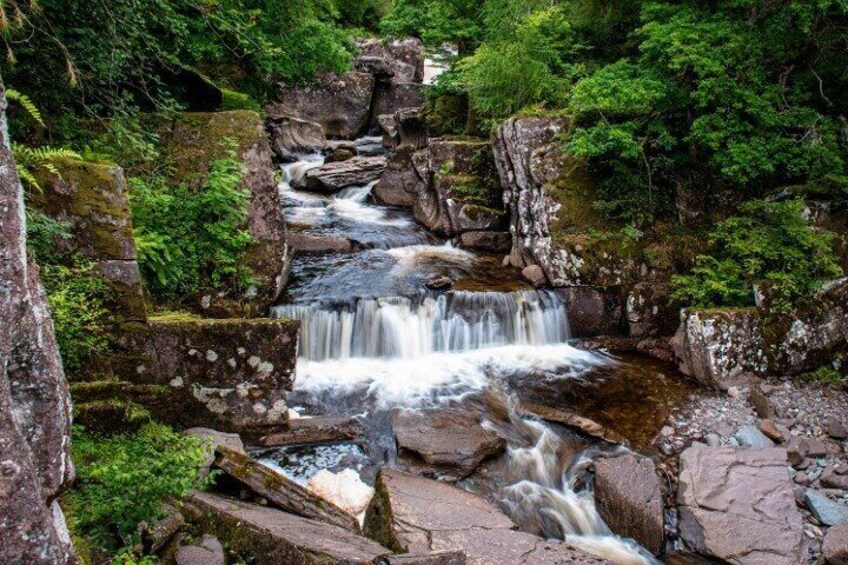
48	153
27	104
27	178
50	168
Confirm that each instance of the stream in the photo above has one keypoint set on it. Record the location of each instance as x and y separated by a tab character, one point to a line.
375	339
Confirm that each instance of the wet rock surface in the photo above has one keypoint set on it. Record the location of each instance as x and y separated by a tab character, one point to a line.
291	136
738	505
628	498
450	443
320	429
412	514
333	177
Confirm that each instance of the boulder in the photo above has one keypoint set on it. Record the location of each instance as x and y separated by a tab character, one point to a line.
413	514
751	436
333	177
535	275
230	375
341	104
208	551
836	428
411	128
317	244
92	197
400	183
266	536
493	241
35	407
738	505
835	545
650	311
320	429
451	443
191	143
214	439
390	97
594	311
828	512
761	403
291	137
402	60
431	558
570	420
628	498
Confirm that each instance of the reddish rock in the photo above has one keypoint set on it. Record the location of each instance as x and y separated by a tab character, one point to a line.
534	275
835	546
771	431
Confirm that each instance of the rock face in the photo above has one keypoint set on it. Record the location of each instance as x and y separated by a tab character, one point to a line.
718	346
398	69
333	177
92	198
593	311
416	515
401	182
451	443
341	104
35	407
291	136
835	546
650	311
267	536
628	498
230	375
192	143
737	505
207	552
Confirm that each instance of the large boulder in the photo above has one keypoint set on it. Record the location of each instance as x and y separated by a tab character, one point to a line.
92	198
266	536
628	498
738	505
417	515
650	311
717	347
593	311
229	375
450	443
333	177
401	60
340	103
401	182
291	136
192	142
35	406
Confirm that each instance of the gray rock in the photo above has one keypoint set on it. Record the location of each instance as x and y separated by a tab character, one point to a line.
650	311
434	558
835	546
738	505
35	407
750	436
401	60
836	428
535	275
291	136
826	511
208	552
628	498
212	439
400	183
451	443
333	177
318	244
494	241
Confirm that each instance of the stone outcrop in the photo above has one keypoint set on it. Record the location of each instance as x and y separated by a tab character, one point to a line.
208	551
35	407
594	311
341	104
91	197
450	443
738	505
584	425
628	498
320	429
333	177
416	515
291	136
192	142
398	69
401	182
266	536
230	375
717	347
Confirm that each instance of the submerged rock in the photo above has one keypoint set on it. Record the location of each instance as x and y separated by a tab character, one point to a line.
345	489
738	505
628	498
333	177
451	443
318	244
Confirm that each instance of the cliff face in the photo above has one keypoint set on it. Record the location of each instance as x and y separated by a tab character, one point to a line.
35	407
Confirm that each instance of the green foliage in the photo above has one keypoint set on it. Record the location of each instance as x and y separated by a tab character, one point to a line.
123	480
189	240
769	243
76	296
44	237
26	103
29	160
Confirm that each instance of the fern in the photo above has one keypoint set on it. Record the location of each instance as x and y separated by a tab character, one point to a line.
26	103
28	160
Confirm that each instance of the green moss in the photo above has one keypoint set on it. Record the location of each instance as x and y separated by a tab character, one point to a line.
111	416
233	100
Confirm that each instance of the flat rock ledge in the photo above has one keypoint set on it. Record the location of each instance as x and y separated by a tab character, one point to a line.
412	514
738	505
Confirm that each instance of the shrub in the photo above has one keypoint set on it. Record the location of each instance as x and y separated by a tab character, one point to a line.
123	481
769	242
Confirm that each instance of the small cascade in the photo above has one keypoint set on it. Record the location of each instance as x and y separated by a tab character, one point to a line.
409	328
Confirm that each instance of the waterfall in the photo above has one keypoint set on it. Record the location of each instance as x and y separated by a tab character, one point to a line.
404	328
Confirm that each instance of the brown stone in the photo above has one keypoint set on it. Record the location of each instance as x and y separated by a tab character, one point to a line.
290	137
835	545
738	505
432	558
534	275
333	177
318	244
494	241
836	428
761	403
320	429
571	420
268	536
594	311
771	431
208	551
451	443
831	479
400	182
628	498
413	514
35	407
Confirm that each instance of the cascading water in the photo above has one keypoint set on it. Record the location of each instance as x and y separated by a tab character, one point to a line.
372	340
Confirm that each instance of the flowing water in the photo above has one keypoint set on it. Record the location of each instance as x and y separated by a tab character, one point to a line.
375	339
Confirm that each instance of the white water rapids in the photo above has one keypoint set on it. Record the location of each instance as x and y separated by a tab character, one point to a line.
371	354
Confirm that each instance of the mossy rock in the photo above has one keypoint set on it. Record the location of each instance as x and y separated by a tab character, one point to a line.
111	417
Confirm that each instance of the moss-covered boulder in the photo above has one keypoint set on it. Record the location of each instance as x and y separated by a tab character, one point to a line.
230	375
92	197
191	142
